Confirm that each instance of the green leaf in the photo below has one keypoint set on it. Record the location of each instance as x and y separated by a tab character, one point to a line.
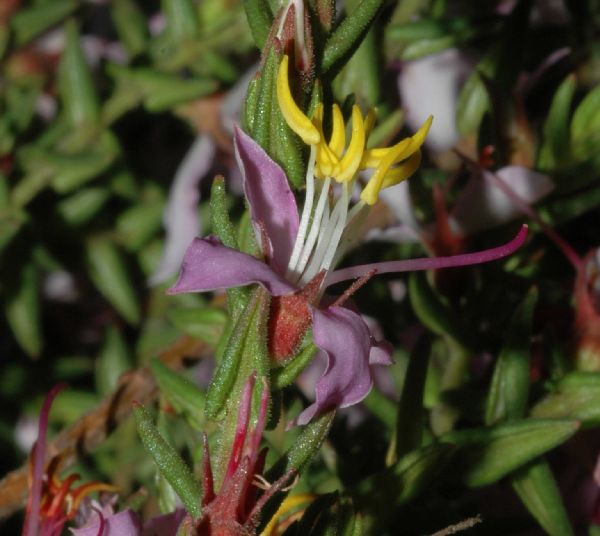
244	354
114	360
204	323
576	396
131	26
83	205
32	21
349	34
537	488
286	374
182	19
488	454
183	395
138	224
75	85
557	144
110	275
260	18
379	495
585	126
169	463
509	392
22	310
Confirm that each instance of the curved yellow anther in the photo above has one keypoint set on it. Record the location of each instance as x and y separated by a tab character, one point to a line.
326	159
350	162
403	149
402	172
370	120
338	132
293	115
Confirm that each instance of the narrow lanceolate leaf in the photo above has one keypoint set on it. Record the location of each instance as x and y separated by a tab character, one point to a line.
576	396
349	34
76	88
109	273
379	496
182	394
241	357
169	462
83	205
130	24
409	425
222	226
509	392
204	323
114	359
537	488
585	127
488	454
22	310
182	19
285	375
556	148
260	18
28	23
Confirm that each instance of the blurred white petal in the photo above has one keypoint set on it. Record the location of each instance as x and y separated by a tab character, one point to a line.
430	86
482	205
180	218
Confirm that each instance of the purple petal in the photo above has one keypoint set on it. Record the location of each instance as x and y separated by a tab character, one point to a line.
345	339
483	205
165	525
125	523
30	526
180	217
272	202
209	265
430	263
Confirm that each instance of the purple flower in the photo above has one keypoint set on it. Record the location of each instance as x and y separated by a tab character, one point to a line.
341	334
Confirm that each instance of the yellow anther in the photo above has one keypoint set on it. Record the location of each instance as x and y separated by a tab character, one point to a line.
326	159
288	504
338	132
403	149
293	115
370	120
403	171
350	162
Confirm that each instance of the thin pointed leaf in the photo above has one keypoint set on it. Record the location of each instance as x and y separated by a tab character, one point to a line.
260	19
114	360
31	22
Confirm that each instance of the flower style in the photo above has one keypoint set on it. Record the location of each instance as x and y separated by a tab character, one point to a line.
235	510
51	502
300	252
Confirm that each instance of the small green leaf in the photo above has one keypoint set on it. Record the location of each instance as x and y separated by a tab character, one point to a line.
585	126
557	144
169	463
488	454
83	205
32	21
576	396
114	360
537	488
260	18
75	85
110	275
286	374
22	310
349	34
509	392
204	323
130	25
138	224
182	19
182	394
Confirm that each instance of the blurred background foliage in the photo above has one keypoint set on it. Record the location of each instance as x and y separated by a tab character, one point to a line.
99	103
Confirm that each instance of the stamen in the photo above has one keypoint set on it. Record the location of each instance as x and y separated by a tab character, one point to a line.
339	229
306	212
358	283
338	132
314	229
294	116
351	161
402	172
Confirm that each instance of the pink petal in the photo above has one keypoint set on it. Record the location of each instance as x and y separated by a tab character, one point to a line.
482	205
430	263
344	338
165	525
125	523
272	202
209	265
181	220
